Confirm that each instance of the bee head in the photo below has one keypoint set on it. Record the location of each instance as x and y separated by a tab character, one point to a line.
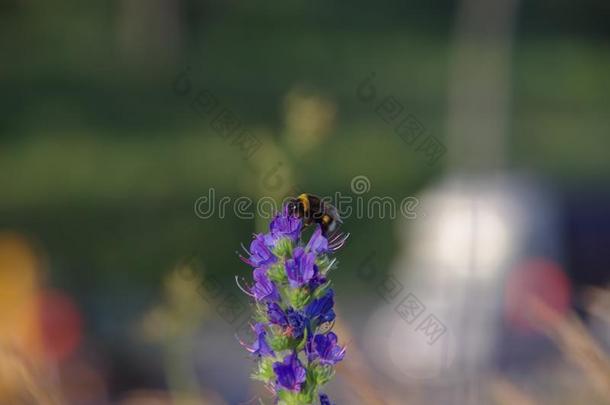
293	206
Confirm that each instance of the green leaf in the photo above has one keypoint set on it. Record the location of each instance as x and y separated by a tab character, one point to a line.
280	342
260	314
305	398
298	297
322	373
321	290
325	264
277	273
288	398
283	248
264	372
295	398
310	382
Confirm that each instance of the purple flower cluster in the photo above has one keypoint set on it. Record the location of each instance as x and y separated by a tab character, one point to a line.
293	345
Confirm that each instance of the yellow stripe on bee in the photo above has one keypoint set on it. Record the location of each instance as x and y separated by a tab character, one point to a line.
305	200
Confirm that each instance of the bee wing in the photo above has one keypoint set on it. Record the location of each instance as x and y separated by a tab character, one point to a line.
333	212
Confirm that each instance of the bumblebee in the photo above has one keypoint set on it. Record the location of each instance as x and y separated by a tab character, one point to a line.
313	209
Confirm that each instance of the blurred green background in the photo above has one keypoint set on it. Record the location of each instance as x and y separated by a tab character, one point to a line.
95	142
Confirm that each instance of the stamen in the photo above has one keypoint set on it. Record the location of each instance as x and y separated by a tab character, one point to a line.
330	266
338	243
241	288
244	344
243	259
334	236
250	401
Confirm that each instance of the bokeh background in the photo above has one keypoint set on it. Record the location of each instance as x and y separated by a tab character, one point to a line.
113	290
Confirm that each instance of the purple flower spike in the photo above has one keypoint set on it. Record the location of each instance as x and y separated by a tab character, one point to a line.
326	349
300	269
264	289
293	346
318	244
290	373
285	225
260	254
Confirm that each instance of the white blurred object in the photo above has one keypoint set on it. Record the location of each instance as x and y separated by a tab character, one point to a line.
451	272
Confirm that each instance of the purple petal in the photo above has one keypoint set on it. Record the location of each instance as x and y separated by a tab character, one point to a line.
260	255
321	310
324	400
318	243
290	373
264	289
285	225
326	349
276	315
300	269
260	347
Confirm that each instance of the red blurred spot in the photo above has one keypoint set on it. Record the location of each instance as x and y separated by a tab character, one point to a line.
61	324
535	279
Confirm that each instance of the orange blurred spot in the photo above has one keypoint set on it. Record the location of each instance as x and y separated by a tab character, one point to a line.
19	279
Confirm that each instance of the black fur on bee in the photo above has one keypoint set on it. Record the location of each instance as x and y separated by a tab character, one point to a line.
314	210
